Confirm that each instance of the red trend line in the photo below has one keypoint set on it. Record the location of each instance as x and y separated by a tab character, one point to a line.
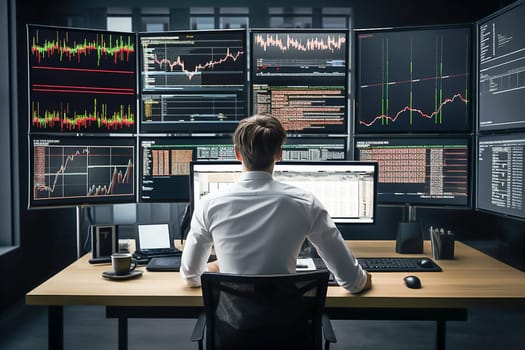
210	64
83	89
420	112
312	44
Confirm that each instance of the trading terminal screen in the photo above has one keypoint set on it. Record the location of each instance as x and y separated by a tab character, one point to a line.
502	69
301	78
346	189
81	81
500	174
414	80
193	81
68	171
165	161
416	171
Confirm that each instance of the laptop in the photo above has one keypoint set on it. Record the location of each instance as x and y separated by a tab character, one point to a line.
155	240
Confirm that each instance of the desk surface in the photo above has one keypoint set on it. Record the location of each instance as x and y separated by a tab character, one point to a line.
471	279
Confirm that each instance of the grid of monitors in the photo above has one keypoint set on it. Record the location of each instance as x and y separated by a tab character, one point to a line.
346	189
77	171
301	77
165	161
500	174
193	81
81	81
419	171
413	80
501	61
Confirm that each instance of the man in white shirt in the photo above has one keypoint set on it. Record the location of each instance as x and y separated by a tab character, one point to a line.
258	225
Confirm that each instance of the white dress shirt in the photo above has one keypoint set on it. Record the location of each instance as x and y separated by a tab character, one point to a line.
258	225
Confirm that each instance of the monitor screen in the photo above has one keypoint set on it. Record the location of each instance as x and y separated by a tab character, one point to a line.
81	81
501	69
419	171
413	80
193	81
346	189
165	161
500	174
301	78
69	171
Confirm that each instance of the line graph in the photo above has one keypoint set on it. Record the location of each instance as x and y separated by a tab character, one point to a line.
385	119
414	80
62	172
289	42
200	67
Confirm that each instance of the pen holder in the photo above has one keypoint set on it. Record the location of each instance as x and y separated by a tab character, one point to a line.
442	243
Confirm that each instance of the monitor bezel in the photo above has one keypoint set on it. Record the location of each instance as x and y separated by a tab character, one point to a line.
477	24
467	26
188	127
428	203
68	140
352	163
344	129
132	35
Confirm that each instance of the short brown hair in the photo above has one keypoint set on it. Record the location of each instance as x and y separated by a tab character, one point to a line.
259	139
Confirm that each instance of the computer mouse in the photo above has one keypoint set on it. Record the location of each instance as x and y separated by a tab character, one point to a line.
412	282
426	263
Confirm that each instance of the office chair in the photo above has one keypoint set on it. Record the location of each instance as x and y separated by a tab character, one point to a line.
264	312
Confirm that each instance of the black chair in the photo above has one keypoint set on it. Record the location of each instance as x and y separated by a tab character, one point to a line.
267	312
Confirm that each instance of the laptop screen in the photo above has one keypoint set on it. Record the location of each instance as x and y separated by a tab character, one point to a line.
154	236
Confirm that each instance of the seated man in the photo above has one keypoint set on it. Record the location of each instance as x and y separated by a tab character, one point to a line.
258	225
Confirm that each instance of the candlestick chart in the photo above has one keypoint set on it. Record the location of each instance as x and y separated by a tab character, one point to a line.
414	80
81	80
68	171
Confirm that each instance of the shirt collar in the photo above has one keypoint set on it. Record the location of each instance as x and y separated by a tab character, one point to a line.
255	175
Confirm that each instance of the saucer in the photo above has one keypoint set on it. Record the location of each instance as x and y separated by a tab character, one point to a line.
111	275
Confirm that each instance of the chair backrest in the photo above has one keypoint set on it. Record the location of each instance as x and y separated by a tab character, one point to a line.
264	311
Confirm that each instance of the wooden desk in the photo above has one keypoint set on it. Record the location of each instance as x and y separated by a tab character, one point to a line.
470	279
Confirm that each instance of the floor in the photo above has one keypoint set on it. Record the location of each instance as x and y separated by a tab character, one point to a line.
24	327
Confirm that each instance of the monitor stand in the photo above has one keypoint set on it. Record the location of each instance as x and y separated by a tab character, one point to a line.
409	239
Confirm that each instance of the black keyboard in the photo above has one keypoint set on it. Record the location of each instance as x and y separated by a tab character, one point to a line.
396	264
390	264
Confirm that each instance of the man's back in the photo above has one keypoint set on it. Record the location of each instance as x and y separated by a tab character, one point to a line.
258	225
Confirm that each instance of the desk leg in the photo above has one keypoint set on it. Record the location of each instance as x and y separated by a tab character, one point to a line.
123	333
55	335
441	334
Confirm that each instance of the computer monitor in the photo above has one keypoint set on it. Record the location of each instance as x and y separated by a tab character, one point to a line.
346	189
415	79
71	171
429	171
500	168
501	54
165	161
81	81
193	81
301	78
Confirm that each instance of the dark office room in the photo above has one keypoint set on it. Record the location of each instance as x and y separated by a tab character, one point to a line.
462	62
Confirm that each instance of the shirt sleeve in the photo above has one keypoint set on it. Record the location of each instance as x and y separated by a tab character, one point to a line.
330	245
196	250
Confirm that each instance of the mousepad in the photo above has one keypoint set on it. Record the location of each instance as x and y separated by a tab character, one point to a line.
111	275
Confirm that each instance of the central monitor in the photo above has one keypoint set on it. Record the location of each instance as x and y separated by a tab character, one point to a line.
347	189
